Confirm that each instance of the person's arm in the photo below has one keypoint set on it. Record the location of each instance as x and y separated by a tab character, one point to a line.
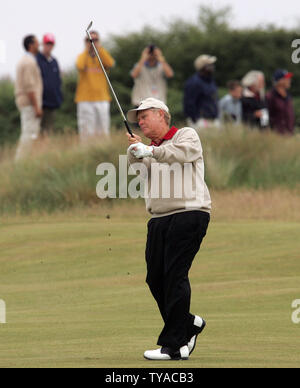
139	66
185	149
106	58
29	87
59	82
58	74
34	103
81	62
169	73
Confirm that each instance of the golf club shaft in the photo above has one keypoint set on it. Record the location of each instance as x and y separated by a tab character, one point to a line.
109	83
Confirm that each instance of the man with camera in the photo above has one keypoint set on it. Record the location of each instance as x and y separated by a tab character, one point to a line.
150	76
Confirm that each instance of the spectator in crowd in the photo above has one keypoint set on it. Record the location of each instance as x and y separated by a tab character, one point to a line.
92	95
230	106
52	96
201	95
150	76
29	94
280	103
255	112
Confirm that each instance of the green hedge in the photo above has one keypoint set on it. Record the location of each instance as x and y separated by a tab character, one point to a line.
238	51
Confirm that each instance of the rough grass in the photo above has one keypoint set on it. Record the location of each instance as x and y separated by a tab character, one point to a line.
251	159
230	205
61	175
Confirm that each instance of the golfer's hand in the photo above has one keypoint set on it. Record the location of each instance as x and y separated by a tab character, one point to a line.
133	140
141	151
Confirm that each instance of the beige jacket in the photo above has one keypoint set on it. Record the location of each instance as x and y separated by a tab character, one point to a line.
28	79
175	176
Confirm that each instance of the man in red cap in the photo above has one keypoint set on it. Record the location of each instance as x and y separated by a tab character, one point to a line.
280	104
52	96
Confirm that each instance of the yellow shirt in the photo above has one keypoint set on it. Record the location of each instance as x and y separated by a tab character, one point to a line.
92	84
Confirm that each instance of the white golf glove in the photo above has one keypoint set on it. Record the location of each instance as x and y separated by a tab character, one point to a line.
141	151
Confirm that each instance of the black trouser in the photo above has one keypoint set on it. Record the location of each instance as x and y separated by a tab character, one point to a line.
48	121
172	245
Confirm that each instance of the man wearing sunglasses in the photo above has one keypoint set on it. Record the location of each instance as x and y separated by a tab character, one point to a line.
92	95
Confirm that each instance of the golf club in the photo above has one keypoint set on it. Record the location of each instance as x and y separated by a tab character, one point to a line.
109	83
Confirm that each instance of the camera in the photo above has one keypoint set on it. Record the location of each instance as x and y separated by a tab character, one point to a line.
151	48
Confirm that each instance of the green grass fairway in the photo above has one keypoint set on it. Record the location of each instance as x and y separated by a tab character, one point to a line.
76	295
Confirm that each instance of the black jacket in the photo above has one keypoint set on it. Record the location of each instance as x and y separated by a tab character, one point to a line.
201	98
250	104
52	95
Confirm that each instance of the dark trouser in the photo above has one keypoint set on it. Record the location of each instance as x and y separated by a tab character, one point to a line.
172	245
48	121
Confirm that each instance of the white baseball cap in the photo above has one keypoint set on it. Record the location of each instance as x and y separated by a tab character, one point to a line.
149	103
204	60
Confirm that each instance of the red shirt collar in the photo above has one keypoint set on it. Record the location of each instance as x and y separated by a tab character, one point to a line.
168	136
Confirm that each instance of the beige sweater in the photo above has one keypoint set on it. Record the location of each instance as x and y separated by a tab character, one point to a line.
175	175
150	83
28	79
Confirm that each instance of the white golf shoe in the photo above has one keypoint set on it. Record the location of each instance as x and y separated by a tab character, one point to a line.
199	325
166	354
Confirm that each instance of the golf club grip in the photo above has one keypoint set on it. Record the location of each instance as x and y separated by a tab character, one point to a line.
128	128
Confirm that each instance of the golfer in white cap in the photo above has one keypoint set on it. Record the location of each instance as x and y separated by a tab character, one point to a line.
177	227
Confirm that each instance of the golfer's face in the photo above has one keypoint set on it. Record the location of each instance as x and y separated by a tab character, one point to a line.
149	122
